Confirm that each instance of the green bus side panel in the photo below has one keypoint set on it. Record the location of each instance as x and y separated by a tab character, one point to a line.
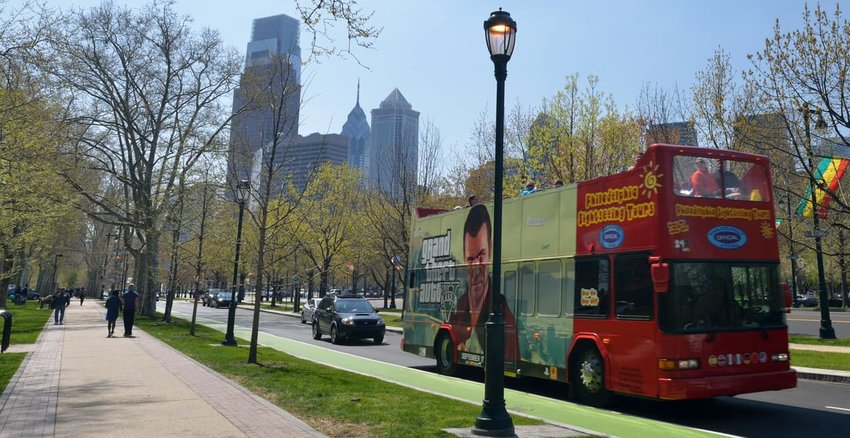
540	225
537	227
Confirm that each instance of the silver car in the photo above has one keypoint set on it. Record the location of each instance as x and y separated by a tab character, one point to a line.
307	310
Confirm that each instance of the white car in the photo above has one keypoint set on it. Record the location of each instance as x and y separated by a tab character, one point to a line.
307	310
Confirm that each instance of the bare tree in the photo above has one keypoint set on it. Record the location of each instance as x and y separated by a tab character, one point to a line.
717	101
320	17
145	96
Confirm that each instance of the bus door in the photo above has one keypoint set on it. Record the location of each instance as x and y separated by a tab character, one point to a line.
631	348
543	331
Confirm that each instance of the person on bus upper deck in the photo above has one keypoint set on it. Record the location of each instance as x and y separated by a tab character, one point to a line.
529	188
754	183
704	184
474	306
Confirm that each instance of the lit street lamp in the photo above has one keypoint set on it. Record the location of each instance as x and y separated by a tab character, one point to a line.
242	188
494	420
826	330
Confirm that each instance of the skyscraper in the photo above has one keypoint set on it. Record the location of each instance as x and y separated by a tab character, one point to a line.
266	104
394	146
356	129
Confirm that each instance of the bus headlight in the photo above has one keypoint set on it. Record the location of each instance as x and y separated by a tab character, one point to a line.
678	364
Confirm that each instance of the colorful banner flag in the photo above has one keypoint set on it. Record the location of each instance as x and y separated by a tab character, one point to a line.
829	174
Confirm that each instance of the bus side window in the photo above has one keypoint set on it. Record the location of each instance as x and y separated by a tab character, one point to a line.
526	289
592	288
509	289
549	288
634	287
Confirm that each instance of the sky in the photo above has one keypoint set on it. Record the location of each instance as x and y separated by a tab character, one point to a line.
434	51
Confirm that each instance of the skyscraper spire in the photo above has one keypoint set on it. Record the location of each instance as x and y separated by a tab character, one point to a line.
358	91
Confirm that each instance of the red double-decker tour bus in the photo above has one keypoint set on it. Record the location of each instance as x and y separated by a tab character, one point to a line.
661	281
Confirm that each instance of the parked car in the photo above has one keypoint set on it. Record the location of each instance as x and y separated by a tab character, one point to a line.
210	296
307	310
222	299
806	300
347	317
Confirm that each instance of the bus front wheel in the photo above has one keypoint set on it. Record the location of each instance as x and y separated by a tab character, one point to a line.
444	352
588	378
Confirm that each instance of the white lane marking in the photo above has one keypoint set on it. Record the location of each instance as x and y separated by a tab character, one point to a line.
837	408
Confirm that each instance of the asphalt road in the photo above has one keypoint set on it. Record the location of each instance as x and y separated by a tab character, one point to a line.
812	409
807	322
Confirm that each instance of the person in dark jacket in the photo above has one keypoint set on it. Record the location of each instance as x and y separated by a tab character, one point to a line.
113	306
131	303
61	300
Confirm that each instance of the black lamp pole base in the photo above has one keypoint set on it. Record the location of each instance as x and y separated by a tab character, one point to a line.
494	424
827	332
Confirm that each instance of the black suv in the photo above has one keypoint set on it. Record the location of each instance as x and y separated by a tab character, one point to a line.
347	317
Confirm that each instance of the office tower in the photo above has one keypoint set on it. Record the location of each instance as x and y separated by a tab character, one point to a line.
309	153
672	133
356	129
266	103
394	146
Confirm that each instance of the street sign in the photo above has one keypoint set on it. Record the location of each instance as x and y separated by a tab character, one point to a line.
815	233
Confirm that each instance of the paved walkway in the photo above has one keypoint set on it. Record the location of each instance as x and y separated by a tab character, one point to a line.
78	382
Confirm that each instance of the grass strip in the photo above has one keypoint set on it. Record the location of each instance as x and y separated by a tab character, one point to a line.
820	359
811	340
27	322
335	402
9	363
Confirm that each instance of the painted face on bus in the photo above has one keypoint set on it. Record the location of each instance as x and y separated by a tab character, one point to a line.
476	249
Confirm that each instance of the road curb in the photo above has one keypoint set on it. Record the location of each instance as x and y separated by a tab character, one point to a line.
832	376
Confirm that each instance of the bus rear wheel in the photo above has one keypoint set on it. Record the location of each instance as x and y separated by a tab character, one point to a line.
444	352
588	378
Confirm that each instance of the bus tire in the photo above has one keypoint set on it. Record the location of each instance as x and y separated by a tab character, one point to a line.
588	378
444	353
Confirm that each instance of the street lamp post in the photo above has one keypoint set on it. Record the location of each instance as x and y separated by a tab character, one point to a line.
241	195
826	330
494	420
56	271
396	261
793	256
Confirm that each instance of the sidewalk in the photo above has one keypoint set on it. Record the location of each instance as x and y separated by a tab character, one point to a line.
78	382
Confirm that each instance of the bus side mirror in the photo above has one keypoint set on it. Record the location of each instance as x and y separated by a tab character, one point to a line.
660	274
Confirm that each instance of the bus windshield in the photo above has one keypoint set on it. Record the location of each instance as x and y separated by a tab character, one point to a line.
710	297
704	177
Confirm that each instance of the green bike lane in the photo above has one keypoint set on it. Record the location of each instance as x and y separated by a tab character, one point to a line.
578	417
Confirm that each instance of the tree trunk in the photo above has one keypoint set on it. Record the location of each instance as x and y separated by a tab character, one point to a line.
149	266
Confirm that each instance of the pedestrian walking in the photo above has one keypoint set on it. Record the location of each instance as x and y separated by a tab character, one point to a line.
61	300
131	303
82	295
113	306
